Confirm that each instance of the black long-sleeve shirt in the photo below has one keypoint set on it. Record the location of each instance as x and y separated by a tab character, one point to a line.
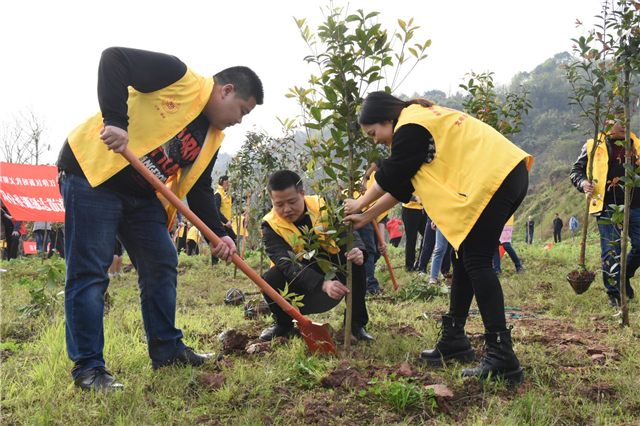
278	249
148	72
413	146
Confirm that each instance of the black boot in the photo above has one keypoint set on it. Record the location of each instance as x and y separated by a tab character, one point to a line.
452	345
499	360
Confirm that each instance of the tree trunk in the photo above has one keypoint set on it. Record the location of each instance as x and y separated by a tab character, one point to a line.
627	199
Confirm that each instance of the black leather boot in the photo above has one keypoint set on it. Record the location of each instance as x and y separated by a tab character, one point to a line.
452	345
499	361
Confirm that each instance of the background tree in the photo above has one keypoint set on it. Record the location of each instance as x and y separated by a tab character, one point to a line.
23	139
259	156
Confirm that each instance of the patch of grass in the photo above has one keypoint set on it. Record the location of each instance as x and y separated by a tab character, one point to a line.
556	337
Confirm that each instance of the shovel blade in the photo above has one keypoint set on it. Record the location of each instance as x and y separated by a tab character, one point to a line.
318	338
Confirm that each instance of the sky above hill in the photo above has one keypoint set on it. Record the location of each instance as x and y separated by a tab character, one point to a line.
50	49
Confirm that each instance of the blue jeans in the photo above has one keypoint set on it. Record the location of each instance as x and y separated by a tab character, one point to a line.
438	254
610	253
370	239
39	234
508	248
94	216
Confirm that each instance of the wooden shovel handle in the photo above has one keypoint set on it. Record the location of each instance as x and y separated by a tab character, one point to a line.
208	233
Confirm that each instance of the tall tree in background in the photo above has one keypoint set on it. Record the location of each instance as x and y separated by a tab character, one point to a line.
354	55
23	139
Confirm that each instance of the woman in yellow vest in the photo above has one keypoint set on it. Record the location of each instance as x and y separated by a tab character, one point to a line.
470	180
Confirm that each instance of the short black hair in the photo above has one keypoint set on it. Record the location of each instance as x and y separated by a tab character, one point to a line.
245	82
223	179
283	180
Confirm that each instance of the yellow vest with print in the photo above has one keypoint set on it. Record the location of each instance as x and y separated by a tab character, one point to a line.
225	203
472	160
369	184
154	118
287	230
601	169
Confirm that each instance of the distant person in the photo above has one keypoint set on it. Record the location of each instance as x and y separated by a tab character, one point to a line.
395	233
505	242
415	221
293	211
530	227
193	240
557	229
573	225
116	265
608	165
181	237
224	203
39	232
173	119
14	230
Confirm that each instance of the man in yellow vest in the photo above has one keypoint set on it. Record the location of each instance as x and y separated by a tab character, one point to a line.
292	212
173	120
223	204
607	166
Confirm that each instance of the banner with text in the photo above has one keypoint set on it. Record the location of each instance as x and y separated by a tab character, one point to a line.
31	192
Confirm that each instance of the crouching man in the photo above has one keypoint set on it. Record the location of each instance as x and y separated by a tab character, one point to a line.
292	212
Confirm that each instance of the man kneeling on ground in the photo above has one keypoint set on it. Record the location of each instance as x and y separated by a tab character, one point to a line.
292	212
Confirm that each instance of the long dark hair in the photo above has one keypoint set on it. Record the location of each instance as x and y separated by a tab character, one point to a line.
381	106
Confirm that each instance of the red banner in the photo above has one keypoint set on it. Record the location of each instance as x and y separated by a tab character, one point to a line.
29	247
31	192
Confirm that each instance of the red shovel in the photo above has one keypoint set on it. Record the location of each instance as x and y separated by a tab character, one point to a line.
315	334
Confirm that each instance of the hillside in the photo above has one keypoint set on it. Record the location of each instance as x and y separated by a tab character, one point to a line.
554	195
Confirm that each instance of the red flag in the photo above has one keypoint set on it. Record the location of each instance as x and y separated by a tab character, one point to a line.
31	192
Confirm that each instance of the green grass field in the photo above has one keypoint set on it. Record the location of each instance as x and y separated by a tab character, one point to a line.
581	366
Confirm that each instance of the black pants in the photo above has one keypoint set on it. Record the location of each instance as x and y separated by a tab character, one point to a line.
414	222
192	248
182	244
557	236
473	273
315	303
13	243
395	241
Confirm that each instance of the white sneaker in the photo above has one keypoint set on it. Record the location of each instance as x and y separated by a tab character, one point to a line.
3	270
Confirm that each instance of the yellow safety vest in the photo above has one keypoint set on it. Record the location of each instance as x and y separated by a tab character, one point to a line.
471	162
287	230
601	169
154	118
193	234
225	203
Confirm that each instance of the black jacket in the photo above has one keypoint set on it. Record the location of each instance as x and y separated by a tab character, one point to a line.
278	251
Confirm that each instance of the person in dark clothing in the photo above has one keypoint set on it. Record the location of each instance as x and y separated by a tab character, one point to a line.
530	227
171	118
415	220
557	229
609	165
470	188
13	232
292	212
181	237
